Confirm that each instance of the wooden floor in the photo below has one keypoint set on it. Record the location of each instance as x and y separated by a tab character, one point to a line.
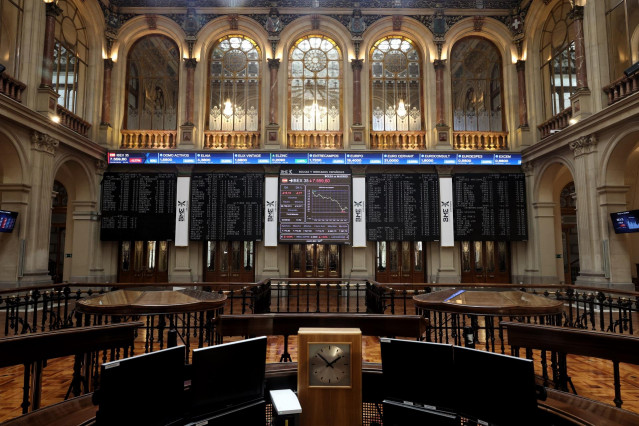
592	378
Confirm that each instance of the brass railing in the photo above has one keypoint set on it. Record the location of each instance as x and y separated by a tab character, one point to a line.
398	140
480	140
621	88
72	121
315	140
157	139
231	140
556	123
11	87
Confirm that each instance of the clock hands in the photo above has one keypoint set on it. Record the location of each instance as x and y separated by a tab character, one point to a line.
329	363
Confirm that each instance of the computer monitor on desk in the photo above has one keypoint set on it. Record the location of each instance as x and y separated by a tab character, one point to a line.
142	390
418	372
227	376
497	389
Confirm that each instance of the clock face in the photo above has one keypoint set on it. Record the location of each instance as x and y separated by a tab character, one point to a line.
329	364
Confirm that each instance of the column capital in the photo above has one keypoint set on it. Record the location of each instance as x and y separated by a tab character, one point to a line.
108	64
357	64
577	13
584	145
274	63
444	171
439	63
100	166
44	143
528	167
520	65
52	9
190	63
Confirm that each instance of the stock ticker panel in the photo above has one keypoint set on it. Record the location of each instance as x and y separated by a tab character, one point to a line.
315	206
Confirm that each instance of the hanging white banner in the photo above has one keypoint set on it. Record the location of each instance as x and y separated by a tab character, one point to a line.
359	212
270	211
447	237
182	212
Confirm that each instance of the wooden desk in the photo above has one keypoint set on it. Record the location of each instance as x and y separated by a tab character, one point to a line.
497	303
158	306
148	302
451	311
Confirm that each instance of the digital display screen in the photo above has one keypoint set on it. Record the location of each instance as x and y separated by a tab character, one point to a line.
317	158
7	220
625	222
315	206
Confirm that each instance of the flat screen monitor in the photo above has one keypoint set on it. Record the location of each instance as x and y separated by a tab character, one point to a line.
226	375
7	220
418	372
143	390
625	222
498	389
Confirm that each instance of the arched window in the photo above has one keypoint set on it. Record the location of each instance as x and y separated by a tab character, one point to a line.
558	71
476	79
70	58
622	19
234	100
315	84
395	85
11	13
152	84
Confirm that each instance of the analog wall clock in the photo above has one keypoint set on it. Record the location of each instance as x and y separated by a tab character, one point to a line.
329	364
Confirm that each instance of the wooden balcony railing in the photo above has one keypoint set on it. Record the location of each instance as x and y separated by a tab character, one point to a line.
315	140
398	140
558	122
72	121
480	140
231	140
11	87
621	88
156	139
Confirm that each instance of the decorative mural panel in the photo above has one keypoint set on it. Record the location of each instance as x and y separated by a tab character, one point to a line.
152	84
476	86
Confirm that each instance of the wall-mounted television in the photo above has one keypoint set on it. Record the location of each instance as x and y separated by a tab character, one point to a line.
7	220
625	222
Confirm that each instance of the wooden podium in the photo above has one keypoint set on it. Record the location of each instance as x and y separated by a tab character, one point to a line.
329	376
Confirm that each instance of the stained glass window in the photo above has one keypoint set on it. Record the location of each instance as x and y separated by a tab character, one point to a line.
395	85
315	84
234	99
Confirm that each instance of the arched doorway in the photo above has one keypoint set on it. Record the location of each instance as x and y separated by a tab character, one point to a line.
58	232
569	234
315	261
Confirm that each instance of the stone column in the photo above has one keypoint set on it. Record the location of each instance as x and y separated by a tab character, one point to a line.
38	220
441	128
96	267
356	65
86	226
358	137
521	83
187	129
106	93
580	101
439	91
273	128
190	93
273	66
577	15
590	242
49	43
613	198
47	99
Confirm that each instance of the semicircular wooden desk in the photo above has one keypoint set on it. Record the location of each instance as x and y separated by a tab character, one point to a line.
186	311
452	310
